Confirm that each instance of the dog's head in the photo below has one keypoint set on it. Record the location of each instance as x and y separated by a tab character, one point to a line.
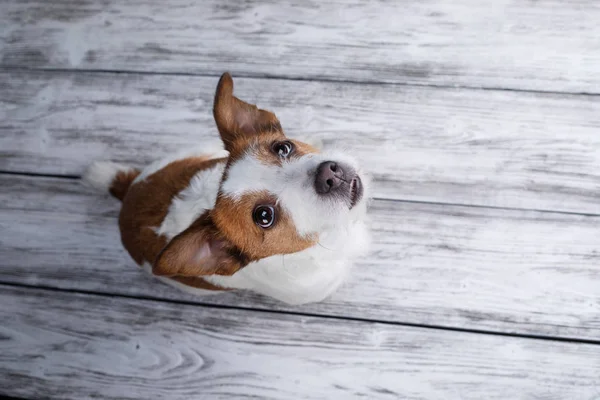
277	196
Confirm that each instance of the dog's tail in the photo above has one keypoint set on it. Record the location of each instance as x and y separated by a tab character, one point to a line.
112	177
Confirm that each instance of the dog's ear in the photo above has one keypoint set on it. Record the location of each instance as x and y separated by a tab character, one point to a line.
198	251
237	119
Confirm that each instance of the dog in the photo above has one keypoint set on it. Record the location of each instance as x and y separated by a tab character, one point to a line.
266	213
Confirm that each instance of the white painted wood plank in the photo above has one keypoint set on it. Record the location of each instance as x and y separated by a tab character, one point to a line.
67	346
495	148
508	271
550	45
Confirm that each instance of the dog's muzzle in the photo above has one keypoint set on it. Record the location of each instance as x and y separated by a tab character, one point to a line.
339	182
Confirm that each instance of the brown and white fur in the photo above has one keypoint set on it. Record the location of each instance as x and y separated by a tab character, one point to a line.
199	220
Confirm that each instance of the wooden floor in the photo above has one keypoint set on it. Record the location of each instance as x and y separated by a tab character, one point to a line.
479	120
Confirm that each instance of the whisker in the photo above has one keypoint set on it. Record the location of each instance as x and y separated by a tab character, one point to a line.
319	243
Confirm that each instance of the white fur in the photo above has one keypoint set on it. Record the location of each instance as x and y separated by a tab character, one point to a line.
100	174
306	276
190	203
293	184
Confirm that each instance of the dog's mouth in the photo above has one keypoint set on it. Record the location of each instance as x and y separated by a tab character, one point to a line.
356	191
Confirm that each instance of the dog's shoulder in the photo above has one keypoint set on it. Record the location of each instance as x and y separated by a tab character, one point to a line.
152	196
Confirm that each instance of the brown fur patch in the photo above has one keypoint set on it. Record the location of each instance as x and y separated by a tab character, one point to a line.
121	182
147	202
237	119
199	250
235	221
262	148
303	149
261	144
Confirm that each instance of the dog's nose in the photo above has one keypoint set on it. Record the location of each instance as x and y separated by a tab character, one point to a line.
329	176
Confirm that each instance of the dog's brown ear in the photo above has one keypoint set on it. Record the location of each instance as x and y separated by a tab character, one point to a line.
198	251
236	118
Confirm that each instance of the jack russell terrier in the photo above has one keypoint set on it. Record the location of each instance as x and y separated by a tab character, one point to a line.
268	213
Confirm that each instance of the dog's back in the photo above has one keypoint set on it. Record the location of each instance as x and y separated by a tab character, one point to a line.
149	215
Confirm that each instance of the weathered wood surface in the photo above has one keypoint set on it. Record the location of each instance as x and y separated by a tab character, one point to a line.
434	262
67	346
549	45
464	267
497	148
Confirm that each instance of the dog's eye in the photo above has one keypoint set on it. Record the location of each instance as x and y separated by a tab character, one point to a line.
283	149
264	216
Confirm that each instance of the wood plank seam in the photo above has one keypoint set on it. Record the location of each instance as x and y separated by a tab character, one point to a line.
560	339
40	175
399	200
457	146
511	45
9	68
73	346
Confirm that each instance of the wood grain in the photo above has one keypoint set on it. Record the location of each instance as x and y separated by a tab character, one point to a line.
549	46
66	346
505	149
464	267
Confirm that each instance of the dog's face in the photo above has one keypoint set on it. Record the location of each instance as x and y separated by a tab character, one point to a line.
277	195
